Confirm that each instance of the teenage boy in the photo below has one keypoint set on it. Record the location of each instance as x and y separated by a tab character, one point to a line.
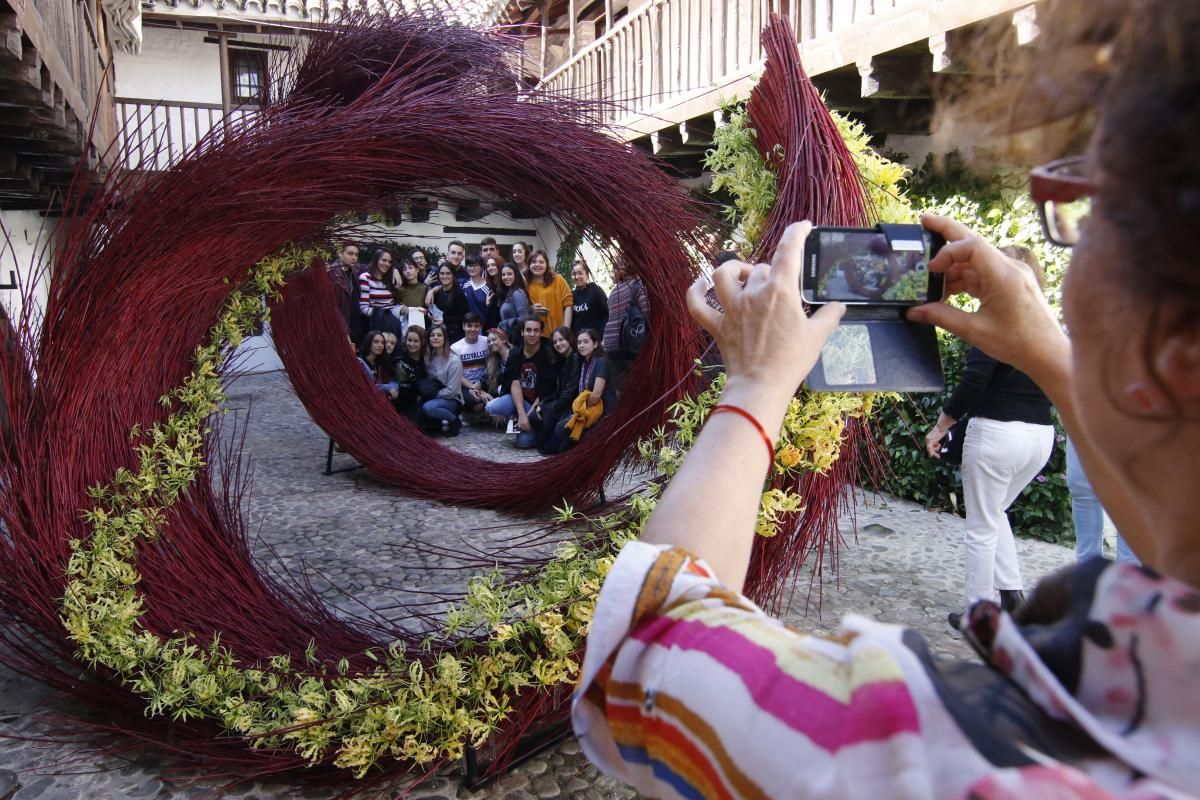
456	253
530	374
344	274
489	249
473	350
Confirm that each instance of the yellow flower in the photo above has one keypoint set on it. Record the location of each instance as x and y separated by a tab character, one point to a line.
789	456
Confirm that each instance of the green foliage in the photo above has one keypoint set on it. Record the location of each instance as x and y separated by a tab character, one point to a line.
738	169
742	173
949	176
911	287
884	178
1011	223
564	259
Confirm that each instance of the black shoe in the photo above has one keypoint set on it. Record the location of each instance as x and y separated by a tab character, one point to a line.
955	620
455	427
1011	599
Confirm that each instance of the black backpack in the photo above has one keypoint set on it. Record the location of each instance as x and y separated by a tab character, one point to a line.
635	328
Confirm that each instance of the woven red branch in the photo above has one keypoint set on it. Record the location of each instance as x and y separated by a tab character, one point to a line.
818	181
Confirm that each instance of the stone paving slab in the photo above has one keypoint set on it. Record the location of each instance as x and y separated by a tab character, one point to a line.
363	545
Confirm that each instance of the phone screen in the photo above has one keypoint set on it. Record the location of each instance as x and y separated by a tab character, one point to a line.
861	267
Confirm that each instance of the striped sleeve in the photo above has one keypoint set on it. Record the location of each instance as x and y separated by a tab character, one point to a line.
373	294
689	690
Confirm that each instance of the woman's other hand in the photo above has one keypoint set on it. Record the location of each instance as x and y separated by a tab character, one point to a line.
933	442
764	335
933	439
1014	323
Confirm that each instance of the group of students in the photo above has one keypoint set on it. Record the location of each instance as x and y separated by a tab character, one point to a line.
503	294
506	344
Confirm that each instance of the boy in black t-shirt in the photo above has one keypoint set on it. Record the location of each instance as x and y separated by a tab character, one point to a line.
529	375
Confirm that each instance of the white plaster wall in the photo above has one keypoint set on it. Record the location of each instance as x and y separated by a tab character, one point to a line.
173	65
438	231
24	234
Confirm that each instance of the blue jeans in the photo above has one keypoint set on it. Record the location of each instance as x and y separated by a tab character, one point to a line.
440	409
1089	515
503	406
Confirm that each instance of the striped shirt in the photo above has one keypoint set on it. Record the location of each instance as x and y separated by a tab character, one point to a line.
373	293
689	690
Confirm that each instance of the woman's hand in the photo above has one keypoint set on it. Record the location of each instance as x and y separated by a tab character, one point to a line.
933	439
764	335
1014	323
933	442
769	346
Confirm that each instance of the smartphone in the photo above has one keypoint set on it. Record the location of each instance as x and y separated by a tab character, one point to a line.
870	266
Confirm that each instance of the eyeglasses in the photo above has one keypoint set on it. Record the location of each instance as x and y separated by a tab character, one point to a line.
1063	195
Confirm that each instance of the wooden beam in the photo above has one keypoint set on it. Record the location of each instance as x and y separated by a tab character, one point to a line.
571	30
1025	21
542	22
897	75
223	46
941	54
868	82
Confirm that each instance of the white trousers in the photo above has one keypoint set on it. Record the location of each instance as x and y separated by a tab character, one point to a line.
999	460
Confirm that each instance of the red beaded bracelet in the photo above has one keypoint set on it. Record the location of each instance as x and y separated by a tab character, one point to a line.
741	412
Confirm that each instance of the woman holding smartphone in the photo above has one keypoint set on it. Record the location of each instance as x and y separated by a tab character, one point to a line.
1090	689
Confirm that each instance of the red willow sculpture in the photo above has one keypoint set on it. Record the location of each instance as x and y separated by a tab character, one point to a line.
375	106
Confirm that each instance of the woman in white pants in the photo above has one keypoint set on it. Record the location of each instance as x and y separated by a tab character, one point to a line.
1009	439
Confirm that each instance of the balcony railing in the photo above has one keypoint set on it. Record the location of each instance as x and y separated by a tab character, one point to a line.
668	52
154	134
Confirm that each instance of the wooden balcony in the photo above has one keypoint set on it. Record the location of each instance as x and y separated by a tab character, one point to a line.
670	61
154	134
54	77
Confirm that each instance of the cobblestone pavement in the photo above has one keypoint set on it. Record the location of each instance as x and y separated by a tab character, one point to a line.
364	546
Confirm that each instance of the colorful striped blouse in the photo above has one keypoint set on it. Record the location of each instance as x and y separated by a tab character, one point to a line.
373	293
689	690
